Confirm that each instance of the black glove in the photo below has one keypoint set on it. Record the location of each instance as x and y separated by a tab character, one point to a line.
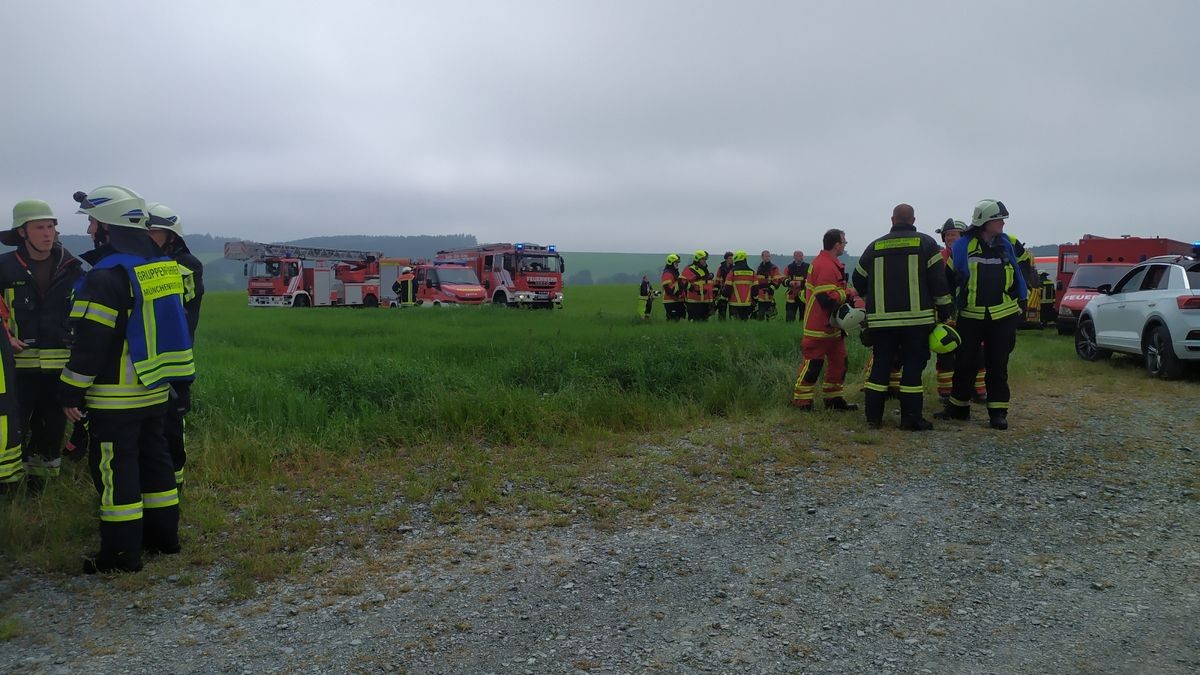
181	397
1024	305
865	337
943	313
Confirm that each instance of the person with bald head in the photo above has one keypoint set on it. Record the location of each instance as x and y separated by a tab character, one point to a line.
794	276
902	277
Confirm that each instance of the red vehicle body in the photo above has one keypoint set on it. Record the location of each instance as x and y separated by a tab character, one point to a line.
280	275
434	284
1095	261
520	274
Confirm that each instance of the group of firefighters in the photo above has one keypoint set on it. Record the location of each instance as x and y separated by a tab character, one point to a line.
963	299
109	350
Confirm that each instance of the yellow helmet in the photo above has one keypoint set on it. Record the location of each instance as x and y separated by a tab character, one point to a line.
700	254
944	339
672	258
739	256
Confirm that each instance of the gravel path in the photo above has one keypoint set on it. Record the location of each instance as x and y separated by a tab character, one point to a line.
1058	551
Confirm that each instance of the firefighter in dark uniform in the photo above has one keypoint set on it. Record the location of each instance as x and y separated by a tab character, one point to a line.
404	287
720	292
1047	313
167	232
698	287
794	276
672	289
739	285
769	279
903	279
37	280
646	295
991	298
130	344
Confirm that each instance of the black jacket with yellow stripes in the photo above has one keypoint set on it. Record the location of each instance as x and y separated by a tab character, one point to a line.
902	276
193	285
39	315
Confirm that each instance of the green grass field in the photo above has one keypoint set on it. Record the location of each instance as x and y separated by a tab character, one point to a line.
335	410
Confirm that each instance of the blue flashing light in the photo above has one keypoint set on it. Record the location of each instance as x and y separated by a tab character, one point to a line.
520	247
554	248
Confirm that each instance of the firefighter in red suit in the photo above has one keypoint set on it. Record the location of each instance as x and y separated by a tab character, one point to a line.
824	291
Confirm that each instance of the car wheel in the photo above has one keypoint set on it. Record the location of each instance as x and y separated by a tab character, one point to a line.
1160	355
370	301
1085	342
300	301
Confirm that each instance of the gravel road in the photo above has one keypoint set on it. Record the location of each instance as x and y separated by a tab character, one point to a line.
1072	549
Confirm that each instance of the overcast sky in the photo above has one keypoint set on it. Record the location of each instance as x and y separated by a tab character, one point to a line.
620	125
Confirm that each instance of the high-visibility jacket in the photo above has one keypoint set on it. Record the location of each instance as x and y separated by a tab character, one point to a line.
11	469
769	279
131	333
989	277
192	271
741	281
902	277
722	273
827	279
698	282
671	287
38	316
795	275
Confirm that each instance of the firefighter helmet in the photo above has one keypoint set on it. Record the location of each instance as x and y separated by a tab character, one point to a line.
162	217
700	254
951	224
24	213
987	211
944	339
739	256
847	316
113	205
672	258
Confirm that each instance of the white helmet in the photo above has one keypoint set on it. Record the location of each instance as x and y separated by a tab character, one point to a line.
847	316
113	205
163	218
987	211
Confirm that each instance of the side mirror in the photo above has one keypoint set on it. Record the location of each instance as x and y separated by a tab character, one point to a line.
245	269
1104	289
487	283
1058	286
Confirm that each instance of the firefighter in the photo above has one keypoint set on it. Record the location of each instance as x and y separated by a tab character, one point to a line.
698	287
646	295
167	232
37	279
794	276
903	279
405	287
991	298
130	344
769	279
825	290
11	470
672	289
739	285
720	291
1047	313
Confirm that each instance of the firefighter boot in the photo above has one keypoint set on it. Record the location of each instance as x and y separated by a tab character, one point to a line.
998	418
918	423
873	402
120	548
838	403
953	412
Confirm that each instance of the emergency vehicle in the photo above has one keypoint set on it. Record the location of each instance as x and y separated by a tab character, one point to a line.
1094	261
282	275
521	274
434	284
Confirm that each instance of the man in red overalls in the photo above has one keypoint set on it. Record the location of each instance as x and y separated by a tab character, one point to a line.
824	291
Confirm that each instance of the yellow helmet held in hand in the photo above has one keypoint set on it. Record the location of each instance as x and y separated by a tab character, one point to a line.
943	339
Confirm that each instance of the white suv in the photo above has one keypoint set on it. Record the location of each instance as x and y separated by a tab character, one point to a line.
1153	311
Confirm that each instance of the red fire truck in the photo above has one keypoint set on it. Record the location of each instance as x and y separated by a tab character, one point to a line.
520	274
282	275
418	282
1095	261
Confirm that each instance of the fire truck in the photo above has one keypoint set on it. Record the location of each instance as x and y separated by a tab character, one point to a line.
1095	261
432	284
522	274
282	275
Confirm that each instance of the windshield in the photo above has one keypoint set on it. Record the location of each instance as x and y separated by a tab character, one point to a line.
1094	276
459	275
539	263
